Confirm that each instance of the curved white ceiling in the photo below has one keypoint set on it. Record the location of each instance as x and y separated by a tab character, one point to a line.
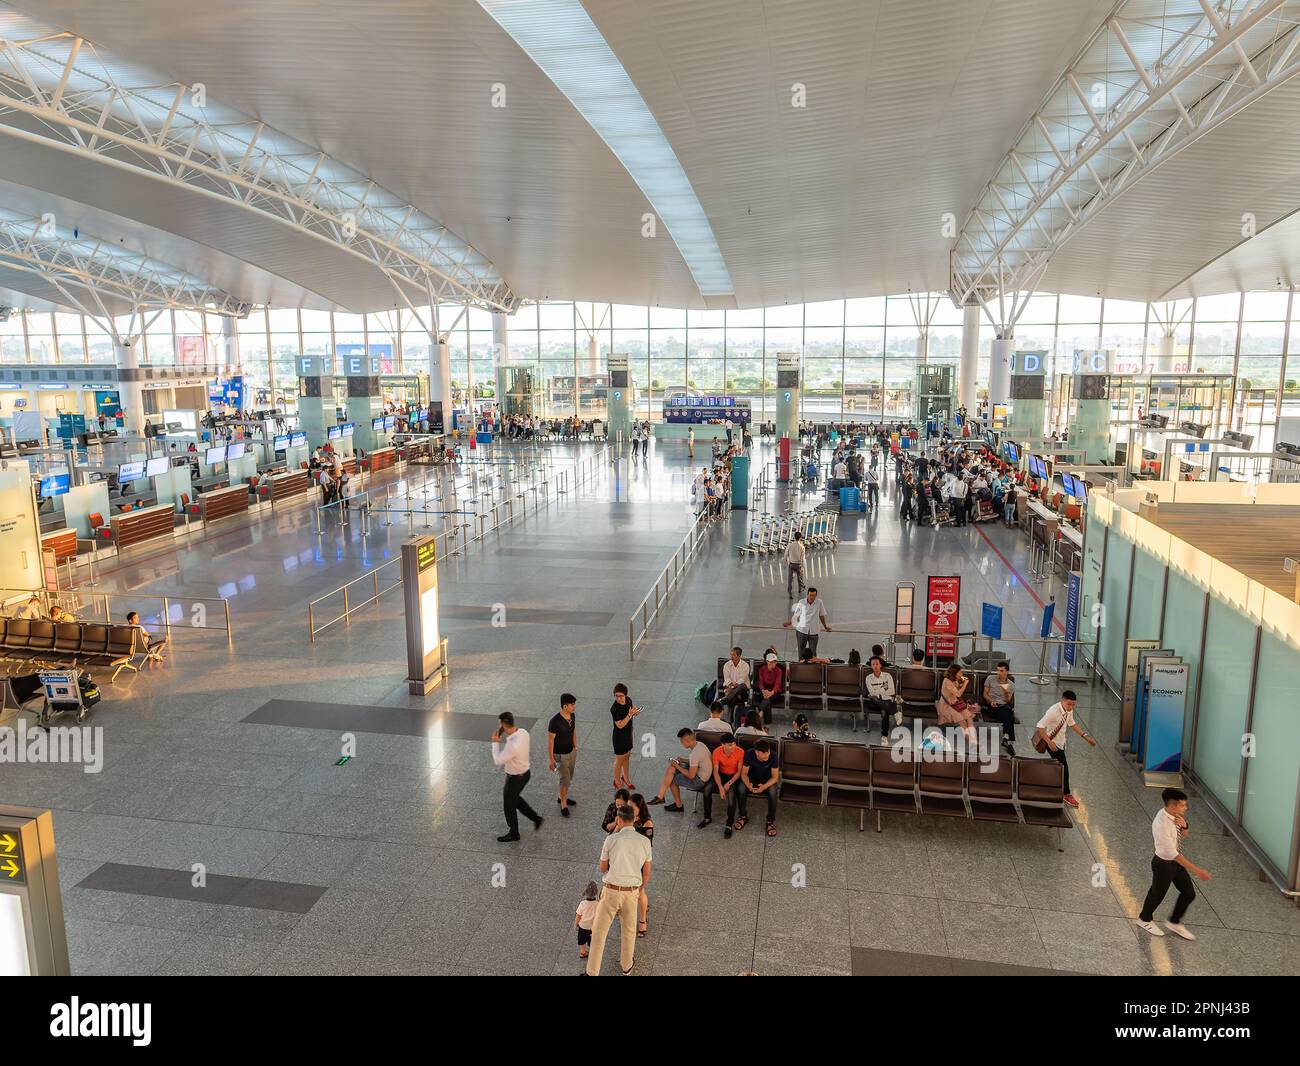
910	105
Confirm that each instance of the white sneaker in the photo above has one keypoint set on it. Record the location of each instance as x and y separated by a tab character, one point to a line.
1151	928
898	718
1178	929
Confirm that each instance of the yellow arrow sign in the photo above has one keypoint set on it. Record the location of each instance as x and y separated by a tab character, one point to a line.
8	844
11	869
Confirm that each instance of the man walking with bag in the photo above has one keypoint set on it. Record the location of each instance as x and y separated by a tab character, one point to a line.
1049	735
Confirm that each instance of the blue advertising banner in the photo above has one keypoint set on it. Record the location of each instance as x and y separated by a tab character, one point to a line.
1073	596
991	621
1165	706
1048	612
108	404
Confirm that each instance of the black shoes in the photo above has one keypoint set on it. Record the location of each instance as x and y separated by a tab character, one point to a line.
572	802
538	824
564	812
702	824
509	838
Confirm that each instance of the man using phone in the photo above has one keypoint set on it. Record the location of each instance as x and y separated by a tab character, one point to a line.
1170	867
695	772
513	756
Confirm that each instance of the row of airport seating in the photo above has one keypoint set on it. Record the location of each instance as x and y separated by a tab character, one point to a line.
1021	790
36	643
843	687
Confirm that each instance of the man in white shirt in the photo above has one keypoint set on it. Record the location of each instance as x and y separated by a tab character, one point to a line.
735	681
880	695
795	553
714	723
1170	866
690	442
957	492
808	616
1053	726
512	756
841	471
625	862
872	482
694	772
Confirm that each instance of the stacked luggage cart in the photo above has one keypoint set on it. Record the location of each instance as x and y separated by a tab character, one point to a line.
769	534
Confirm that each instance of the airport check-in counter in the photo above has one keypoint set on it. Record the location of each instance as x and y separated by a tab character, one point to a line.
223	502
143	524
286	485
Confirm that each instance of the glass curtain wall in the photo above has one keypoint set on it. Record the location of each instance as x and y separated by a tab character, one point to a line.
859	356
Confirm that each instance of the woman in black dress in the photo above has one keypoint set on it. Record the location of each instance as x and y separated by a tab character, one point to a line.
622	711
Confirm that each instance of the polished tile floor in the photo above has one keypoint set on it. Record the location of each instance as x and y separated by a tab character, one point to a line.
389	863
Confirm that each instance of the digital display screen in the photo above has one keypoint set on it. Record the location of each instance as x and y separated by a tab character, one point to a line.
281	442
235	450
215	455
390	422
377	424
334	432
1013	453
618	379
1027	386
298	440
157	466
787	379
129	472
348	428
55	485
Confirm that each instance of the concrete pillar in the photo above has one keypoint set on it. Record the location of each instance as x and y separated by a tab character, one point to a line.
1000	352
129	385
440	376
968	368
230	351
1164	360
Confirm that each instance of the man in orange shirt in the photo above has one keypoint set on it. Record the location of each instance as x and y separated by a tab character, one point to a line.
727	760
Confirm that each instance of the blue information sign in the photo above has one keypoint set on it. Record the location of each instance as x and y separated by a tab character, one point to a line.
991	621
1072	596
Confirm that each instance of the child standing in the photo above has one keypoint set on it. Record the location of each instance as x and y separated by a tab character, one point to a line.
585	916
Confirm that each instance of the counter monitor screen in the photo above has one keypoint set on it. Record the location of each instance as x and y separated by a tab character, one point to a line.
129	472
334	432
1013	453
390	422
281	442
377	424
156	466
55	485
235	451
348	428
298	440
215	455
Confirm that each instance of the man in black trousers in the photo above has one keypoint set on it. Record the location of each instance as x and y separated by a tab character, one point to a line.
512	755
1170	866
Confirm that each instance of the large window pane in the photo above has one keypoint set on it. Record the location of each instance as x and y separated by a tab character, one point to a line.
1221	714
1273	773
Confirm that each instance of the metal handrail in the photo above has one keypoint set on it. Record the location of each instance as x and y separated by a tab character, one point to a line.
373	577
98	607
678	565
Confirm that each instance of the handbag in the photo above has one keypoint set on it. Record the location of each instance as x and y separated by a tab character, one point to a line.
1040	744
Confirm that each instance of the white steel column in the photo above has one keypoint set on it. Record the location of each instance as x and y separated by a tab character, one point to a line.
968	369
129	386
1000	352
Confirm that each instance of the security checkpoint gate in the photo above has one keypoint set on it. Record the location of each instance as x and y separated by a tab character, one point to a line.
772	533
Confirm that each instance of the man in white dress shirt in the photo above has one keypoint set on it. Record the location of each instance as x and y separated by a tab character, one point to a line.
809	618
1170	866
512	755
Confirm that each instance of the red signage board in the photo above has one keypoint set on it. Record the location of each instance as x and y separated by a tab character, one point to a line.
942	611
